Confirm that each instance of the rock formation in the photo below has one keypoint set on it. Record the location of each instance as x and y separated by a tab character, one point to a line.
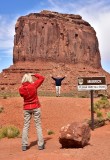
53	43
55	37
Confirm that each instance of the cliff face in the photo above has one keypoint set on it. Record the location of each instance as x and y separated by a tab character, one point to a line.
52	36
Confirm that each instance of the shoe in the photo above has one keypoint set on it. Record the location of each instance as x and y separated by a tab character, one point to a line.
41	147
24	148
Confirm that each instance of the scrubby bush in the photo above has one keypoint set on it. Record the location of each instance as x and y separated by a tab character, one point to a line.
1	109
97	123
9	132
49	132
103	102
100	110
108	115
99	114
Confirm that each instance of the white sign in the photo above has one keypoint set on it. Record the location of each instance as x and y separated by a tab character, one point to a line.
92	87
91	83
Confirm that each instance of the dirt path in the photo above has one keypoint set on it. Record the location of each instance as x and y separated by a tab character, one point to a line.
56	112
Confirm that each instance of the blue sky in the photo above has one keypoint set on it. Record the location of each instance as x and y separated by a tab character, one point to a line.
97	13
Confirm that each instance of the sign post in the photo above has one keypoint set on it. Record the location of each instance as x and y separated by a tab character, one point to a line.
92	110
91	84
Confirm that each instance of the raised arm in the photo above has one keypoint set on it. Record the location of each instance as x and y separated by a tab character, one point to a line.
39	80
62	78
53	78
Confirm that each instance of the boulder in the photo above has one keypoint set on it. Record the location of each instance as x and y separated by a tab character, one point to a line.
75	135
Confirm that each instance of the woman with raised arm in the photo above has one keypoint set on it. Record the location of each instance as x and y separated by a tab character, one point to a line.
28	91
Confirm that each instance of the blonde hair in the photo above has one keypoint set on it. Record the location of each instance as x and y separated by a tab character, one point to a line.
27	78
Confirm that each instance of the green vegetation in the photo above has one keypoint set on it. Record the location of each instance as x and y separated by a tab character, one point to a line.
5	95
49	132
97	123
101	111
108	115
53	94
83	94
102	103
9	132
74	94
46	94
99	115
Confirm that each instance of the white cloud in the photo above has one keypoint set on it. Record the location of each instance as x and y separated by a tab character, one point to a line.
97	13
7	28
98	16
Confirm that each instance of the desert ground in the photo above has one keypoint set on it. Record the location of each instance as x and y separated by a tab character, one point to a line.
56	112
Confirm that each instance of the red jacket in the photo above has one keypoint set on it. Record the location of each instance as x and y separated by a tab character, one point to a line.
29	93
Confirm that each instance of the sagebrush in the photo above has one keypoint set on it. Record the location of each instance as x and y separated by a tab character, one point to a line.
9	132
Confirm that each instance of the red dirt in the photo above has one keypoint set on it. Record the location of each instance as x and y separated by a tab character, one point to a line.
56	112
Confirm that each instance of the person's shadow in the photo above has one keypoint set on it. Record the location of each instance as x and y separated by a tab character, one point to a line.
34	143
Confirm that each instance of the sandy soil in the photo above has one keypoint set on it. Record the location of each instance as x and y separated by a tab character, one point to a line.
56	112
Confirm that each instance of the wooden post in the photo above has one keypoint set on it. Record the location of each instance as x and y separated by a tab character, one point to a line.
92	110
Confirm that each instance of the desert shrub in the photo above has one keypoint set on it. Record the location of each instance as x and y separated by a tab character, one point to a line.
108	115
95	108
49	132
1	109
100	109
9	132
103	102
99	114
83	94
97	123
